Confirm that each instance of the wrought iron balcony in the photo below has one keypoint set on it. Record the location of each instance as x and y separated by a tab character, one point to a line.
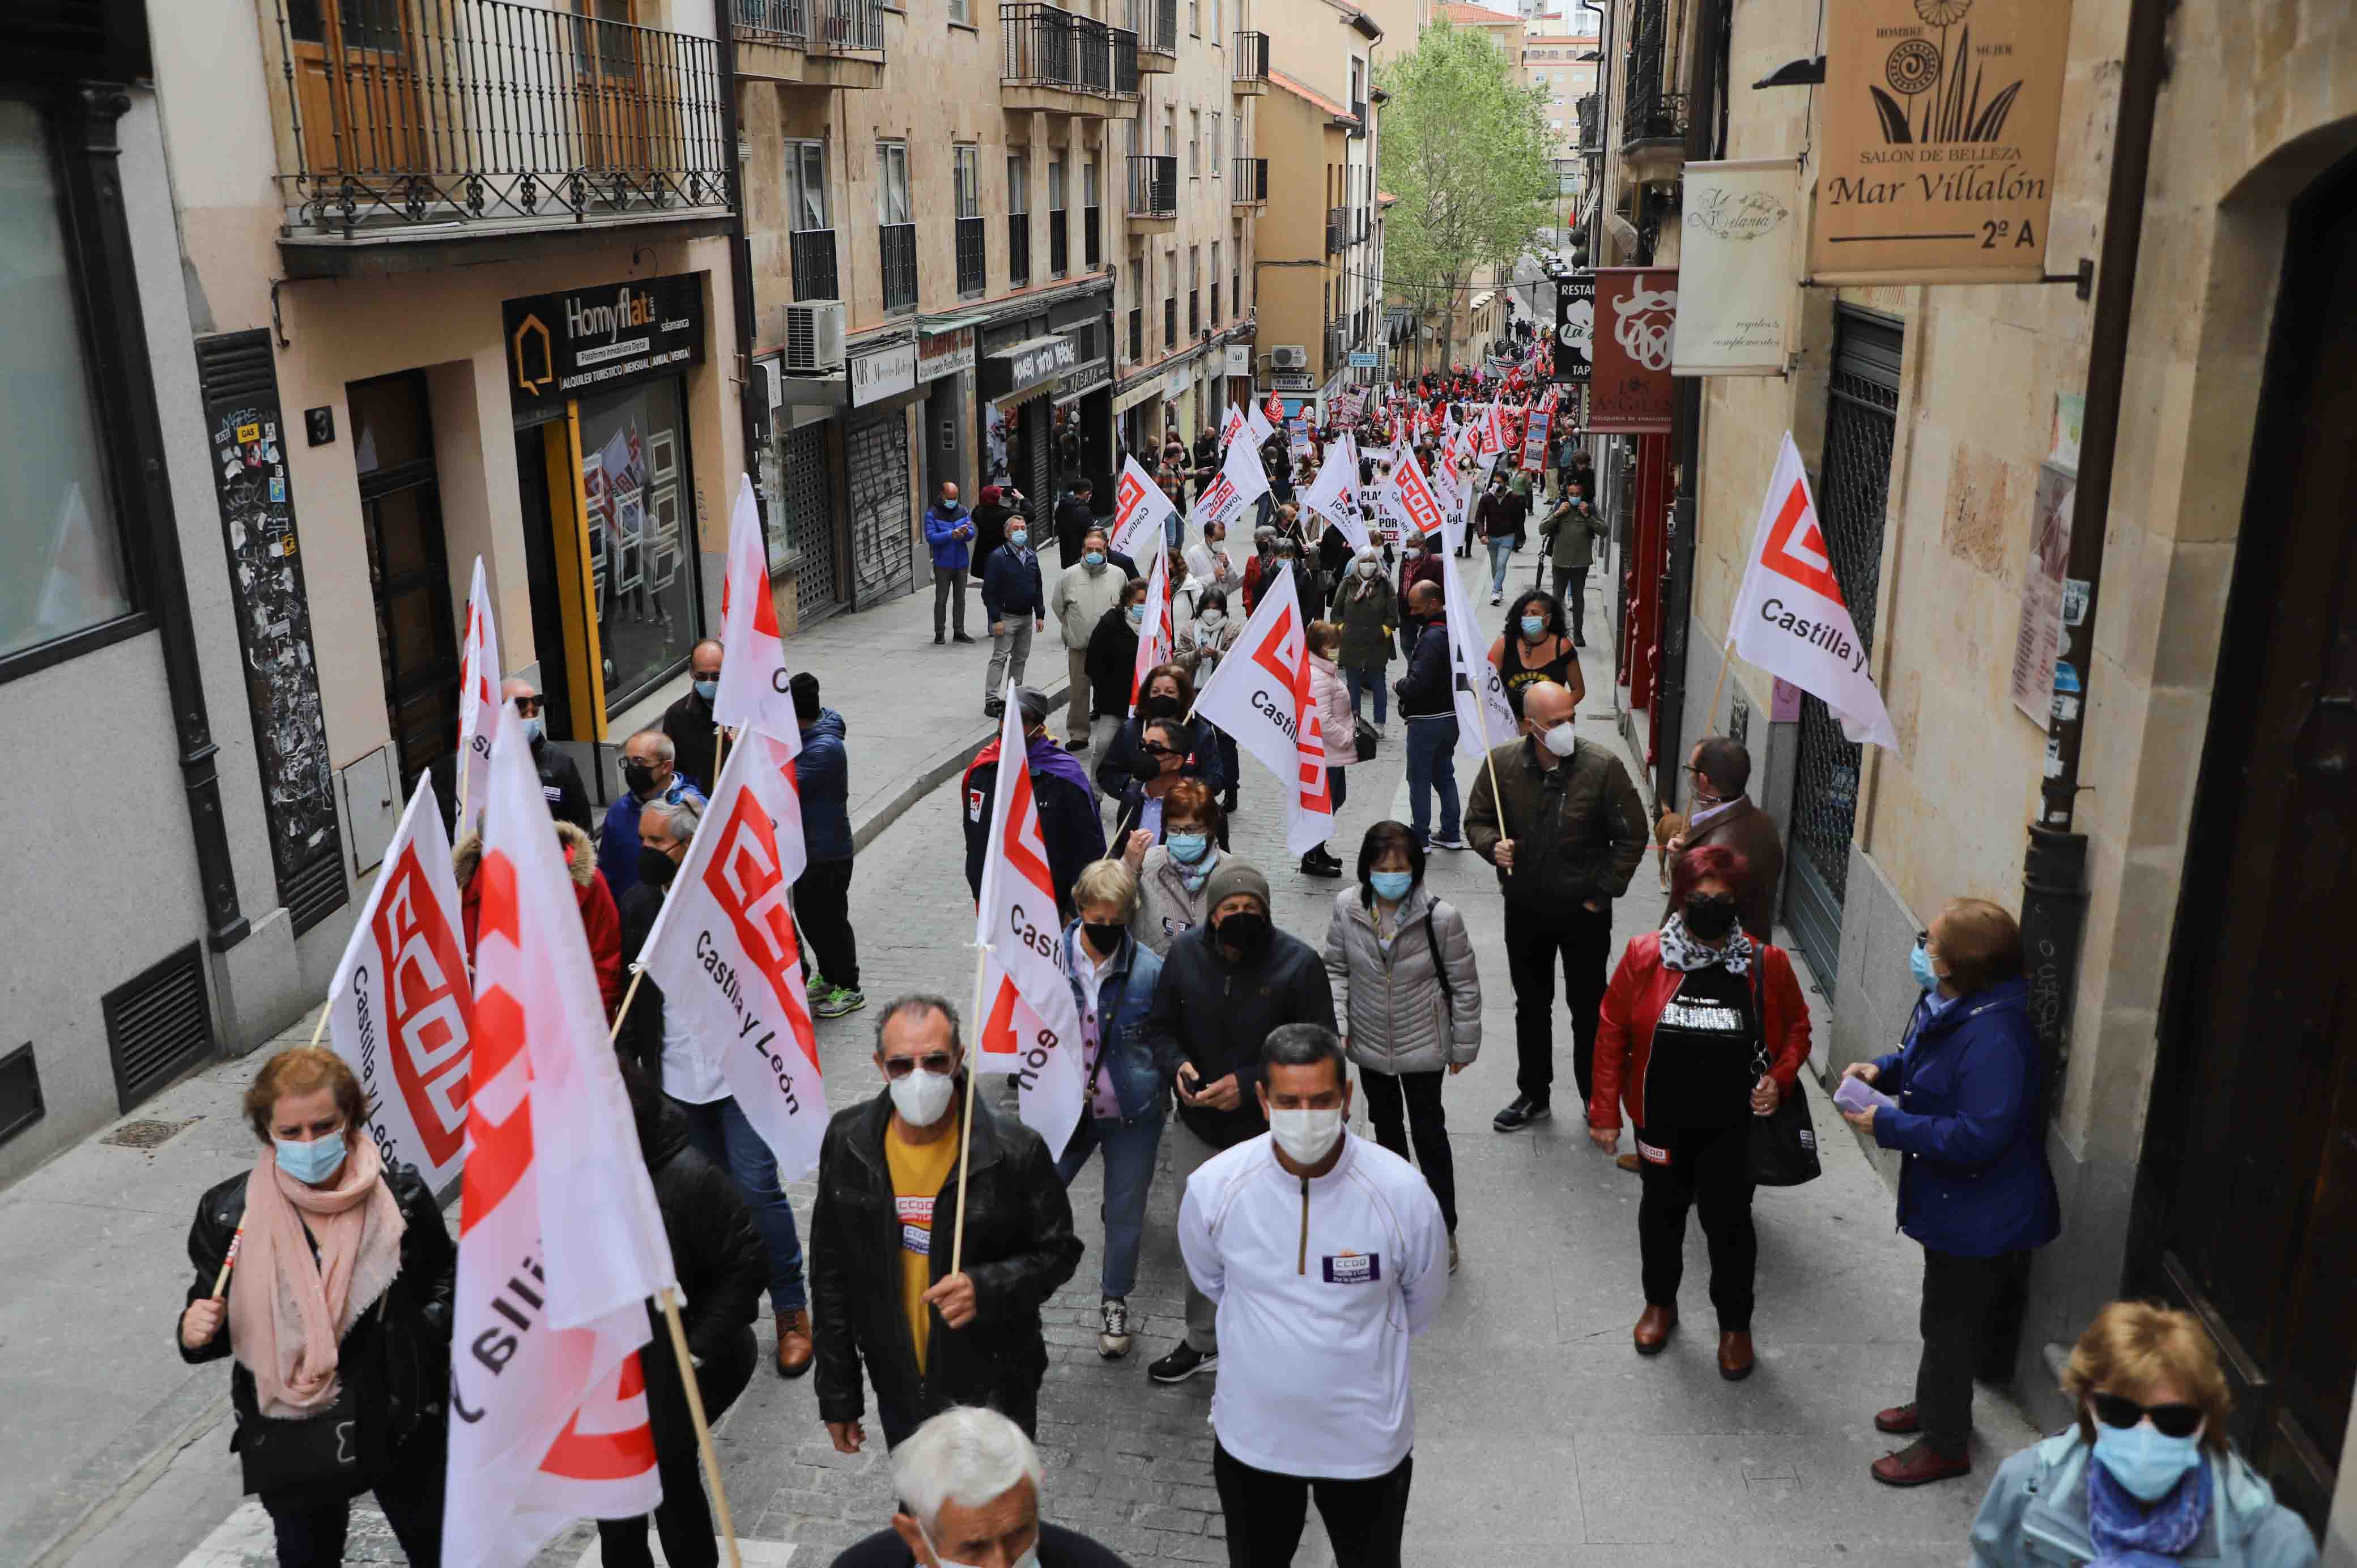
1064	62
458	112
970	259
898	245
1156	22
813	262
1248	58
1153	186
1251	187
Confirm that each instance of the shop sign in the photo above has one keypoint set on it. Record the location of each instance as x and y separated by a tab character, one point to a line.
1361	359
1939	152
1239	359
1291	380
1636	318
1175	384
1737	262
881	374
1087	379
595	340
1041	361
1122	403
1575	345
944	354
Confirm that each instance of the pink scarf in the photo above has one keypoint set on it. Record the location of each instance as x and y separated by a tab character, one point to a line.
287	1314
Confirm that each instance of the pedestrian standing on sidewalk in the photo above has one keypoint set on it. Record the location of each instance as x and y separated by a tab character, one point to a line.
1702	1030
1409	996
1566	830
1571	533
1174	877
1325	1256
1083	592
1074	519
1534	648
1975	1190
1340	730
1015	606
1718	813
340	1303
992	518
1225	985
689	721
1112	664
950	535
1060	791
1429	708
1368	610
822	897
650	776
884	1294
1113	979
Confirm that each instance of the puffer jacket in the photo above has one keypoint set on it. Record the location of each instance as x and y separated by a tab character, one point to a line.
1019	1248
1124	996
1572	844
1394	1014
1079	599
2035	1515
1167	908
823	771
397	1358
1335	720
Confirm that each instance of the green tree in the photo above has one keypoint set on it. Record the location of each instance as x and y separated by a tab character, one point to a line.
1465	151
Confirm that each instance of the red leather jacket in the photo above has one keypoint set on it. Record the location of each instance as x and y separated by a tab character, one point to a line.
1643	985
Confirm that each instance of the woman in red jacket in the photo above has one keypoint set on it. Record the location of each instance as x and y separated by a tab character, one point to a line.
1702	1029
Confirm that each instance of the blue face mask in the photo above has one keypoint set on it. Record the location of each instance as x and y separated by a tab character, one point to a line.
1918	964
1093	558
708	689
314	1162
1391	887
2145	1460
535	729
1533	627
1138	615
1018	537
1187	848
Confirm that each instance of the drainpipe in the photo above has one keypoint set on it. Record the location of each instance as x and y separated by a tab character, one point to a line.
752	407
2054	869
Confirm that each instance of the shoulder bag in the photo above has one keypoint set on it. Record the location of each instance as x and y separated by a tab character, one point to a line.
1783	1151
334	1452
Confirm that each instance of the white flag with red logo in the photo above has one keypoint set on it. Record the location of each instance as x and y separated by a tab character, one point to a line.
1260	696
1790	617
1484	717
753	689
1419	506
479	702
1242	481
1257	429
1030	1026
1274	409
401	1008
1334	495
1231	425
727	957
1141	512
561	1242
1157	637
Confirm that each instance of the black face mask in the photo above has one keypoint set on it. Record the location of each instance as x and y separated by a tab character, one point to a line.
1146	765
1709	918
656	869
639	778
1162	707
1245	932
1102	937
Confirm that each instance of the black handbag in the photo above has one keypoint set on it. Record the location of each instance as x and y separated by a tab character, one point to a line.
334	1451
1783	1150
1365	739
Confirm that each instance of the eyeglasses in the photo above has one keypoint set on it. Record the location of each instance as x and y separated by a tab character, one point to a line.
2170	1419
935	1063
527	706
1157	751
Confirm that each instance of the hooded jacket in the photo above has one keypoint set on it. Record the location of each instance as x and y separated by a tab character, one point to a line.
1395	1016
2035	1515
1570	533
601	921
824	772
1215	1012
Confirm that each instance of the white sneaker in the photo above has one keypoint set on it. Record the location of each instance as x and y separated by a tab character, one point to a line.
1113	1320
1497	598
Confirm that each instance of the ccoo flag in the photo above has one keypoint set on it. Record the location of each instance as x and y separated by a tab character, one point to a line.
1334	495
752	653
726	954
1260	696
1242	481
1142	514
1155	638
479	702
1484	717
401	1009
1790	617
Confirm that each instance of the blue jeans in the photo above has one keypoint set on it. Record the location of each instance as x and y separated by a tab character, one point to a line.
720	1134
1129	1142
1502	551
1431	765
1370	679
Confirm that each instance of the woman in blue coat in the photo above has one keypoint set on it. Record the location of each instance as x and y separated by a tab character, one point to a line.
1967	1092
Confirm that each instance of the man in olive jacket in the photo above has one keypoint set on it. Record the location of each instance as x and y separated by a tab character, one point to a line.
1566	838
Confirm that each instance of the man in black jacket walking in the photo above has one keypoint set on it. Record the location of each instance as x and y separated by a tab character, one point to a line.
881	1239
1225	985
1074	517
1428	701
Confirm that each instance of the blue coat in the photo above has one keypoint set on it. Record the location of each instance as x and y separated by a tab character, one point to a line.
1968	1082
1011	584
2036	1514
618	841
949	553
823	771
1123	998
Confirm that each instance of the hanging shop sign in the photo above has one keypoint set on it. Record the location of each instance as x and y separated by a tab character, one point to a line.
1124	402
944	354
1636	319
882	373
1032	363
1575	317
595	340
1094	375
1737	260
1238	359
1939	155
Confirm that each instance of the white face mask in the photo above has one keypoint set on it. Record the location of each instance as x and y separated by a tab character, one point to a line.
1031	1558
1558	739
921	1097
1307	1137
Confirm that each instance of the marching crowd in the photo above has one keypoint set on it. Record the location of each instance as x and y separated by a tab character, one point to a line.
1314	1257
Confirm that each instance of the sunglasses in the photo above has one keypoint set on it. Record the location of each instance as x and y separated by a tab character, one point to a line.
2170	1419
935	1063
527	706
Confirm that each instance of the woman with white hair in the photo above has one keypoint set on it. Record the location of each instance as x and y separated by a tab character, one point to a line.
968	1483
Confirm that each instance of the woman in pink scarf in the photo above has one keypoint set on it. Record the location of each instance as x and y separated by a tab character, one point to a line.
337	1307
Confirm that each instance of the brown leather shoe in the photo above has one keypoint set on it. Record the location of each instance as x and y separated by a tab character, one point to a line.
1653	1329
794	1348
1628	1162
1734	1358
1917	1463
1899	1420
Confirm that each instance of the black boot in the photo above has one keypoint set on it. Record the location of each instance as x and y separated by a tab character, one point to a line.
1229	805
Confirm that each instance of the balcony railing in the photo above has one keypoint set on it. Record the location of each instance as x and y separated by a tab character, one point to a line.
841	25
1060	243
898	243
814	261
1047	45
1591	122
1153	185
1156	22
1251	187
970	259
774	21
1136	334
1092	237
1170	321
1250	57
1337	229
1651	113
1019	249
453	112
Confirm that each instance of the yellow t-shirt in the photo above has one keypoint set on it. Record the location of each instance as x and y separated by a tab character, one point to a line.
917	1172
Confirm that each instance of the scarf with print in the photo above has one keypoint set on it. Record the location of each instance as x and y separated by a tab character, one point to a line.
2128	1534
1682	952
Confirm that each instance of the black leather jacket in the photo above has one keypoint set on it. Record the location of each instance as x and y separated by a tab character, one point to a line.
1019	1247
398	1361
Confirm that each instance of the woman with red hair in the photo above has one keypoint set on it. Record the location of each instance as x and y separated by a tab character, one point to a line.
1702	1029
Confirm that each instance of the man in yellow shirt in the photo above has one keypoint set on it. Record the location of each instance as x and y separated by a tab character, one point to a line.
882	1292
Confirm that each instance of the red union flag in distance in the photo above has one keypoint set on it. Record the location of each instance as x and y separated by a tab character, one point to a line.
1262	699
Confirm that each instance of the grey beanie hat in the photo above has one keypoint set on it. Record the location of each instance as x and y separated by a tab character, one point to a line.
1234	876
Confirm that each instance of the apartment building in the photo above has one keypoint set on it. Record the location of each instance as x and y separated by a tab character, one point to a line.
1561	55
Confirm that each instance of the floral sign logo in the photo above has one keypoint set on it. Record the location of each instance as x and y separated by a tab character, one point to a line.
1642	324
1933	96
1724	217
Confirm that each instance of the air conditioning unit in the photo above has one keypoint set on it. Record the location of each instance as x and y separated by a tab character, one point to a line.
813	337
1288	356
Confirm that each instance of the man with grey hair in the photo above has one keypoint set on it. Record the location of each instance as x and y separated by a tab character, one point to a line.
650	777
968	1489
883	1233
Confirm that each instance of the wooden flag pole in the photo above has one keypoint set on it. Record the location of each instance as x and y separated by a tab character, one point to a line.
1726	657
703	1427
638	972
228	1260
965	1135
719	753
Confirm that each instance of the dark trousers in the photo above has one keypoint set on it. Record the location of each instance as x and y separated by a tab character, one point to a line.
684	1518
1707	1168
1018	1404
1571	591
1960	1294
1406	1106
1581	939
310	1531
823	905
1264	1513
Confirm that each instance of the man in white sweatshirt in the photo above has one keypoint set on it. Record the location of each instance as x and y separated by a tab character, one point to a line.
1325	1255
